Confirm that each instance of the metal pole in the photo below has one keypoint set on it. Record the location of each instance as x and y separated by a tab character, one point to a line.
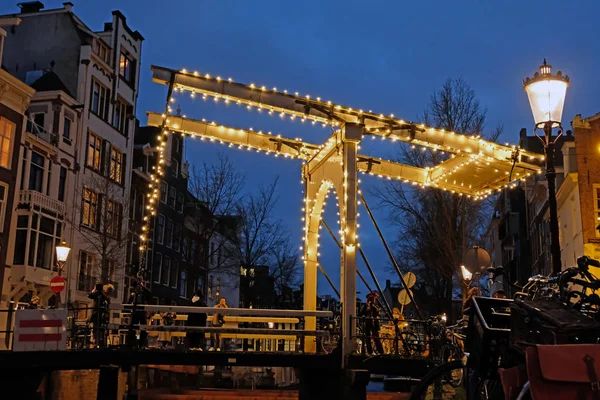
382	300
551	178
387	248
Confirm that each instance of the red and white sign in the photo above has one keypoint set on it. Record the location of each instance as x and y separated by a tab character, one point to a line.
37	330
57	284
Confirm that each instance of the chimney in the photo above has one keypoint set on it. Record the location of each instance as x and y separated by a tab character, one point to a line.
30	6
68	6
388	283
523	133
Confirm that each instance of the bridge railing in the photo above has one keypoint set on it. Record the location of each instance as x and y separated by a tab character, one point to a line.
242	329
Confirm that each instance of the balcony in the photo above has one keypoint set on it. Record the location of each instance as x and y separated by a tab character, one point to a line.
25	273
38	133
37	200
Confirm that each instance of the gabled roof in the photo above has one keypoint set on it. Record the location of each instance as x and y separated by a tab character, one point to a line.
50	81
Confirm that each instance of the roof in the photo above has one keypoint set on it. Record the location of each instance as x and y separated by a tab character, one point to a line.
50	81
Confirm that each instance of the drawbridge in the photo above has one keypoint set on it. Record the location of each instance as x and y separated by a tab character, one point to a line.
472	167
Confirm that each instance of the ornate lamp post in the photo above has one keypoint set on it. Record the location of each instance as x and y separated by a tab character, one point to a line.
546	93
62	252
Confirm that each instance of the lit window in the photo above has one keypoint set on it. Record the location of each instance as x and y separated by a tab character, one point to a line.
113	218
89	208
116	165
597	209
94	152
7	133
126	67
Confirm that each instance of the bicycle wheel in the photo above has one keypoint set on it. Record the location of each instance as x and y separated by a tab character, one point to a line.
448	354
438	385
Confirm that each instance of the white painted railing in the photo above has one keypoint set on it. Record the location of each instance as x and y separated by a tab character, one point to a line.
33	197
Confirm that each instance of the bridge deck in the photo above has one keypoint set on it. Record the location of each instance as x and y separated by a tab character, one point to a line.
93	359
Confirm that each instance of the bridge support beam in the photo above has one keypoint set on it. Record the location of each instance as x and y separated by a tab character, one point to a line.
334	167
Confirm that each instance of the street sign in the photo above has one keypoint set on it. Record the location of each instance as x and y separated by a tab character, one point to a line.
40	330
476	260
410	279
57	284
403	297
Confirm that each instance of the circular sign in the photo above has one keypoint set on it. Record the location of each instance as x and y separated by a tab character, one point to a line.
57	284
476	259
410	279
403	297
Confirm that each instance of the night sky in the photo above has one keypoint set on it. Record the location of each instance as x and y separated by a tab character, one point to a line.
385	56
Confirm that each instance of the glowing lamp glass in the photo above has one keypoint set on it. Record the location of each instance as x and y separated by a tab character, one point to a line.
467	275
547	99
62	252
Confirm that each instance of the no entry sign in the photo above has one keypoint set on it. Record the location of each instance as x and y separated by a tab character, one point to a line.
57	284
40	330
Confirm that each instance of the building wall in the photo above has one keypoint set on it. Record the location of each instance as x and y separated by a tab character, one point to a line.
73	51
569	221
14	98
587	142
41	39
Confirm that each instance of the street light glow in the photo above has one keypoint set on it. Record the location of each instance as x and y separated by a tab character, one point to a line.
62	252
465	273
546	93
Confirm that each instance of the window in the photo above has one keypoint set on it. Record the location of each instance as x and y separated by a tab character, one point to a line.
164	187
44	236
35	123
185	248
3	196
120	117
126	67
169	233
175	168
172	196
21	240
113	218
177	144
67	128
89	208
102	51
174	274
193	250
597	209
94	151
100	100
86	278
116	165
183	283
164	274
49	178
160	228
210	287
36	172
157	267
177	237
218	291
62	181
179	202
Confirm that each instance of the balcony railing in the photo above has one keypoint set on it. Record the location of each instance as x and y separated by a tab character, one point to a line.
40	133
35	198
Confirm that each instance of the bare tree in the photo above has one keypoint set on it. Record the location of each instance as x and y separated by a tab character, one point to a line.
100	207
261	233
218	187
436	227
284	269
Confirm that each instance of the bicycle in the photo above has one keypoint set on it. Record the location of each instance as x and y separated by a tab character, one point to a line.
483	381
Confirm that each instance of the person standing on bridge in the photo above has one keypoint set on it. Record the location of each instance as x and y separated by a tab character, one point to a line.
99	319
139	296
196	339
218	321
370	314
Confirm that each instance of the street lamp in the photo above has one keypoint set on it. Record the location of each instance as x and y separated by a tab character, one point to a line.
546	93
62	252
467	275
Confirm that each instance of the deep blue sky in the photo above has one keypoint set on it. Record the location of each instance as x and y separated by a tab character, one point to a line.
386	56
